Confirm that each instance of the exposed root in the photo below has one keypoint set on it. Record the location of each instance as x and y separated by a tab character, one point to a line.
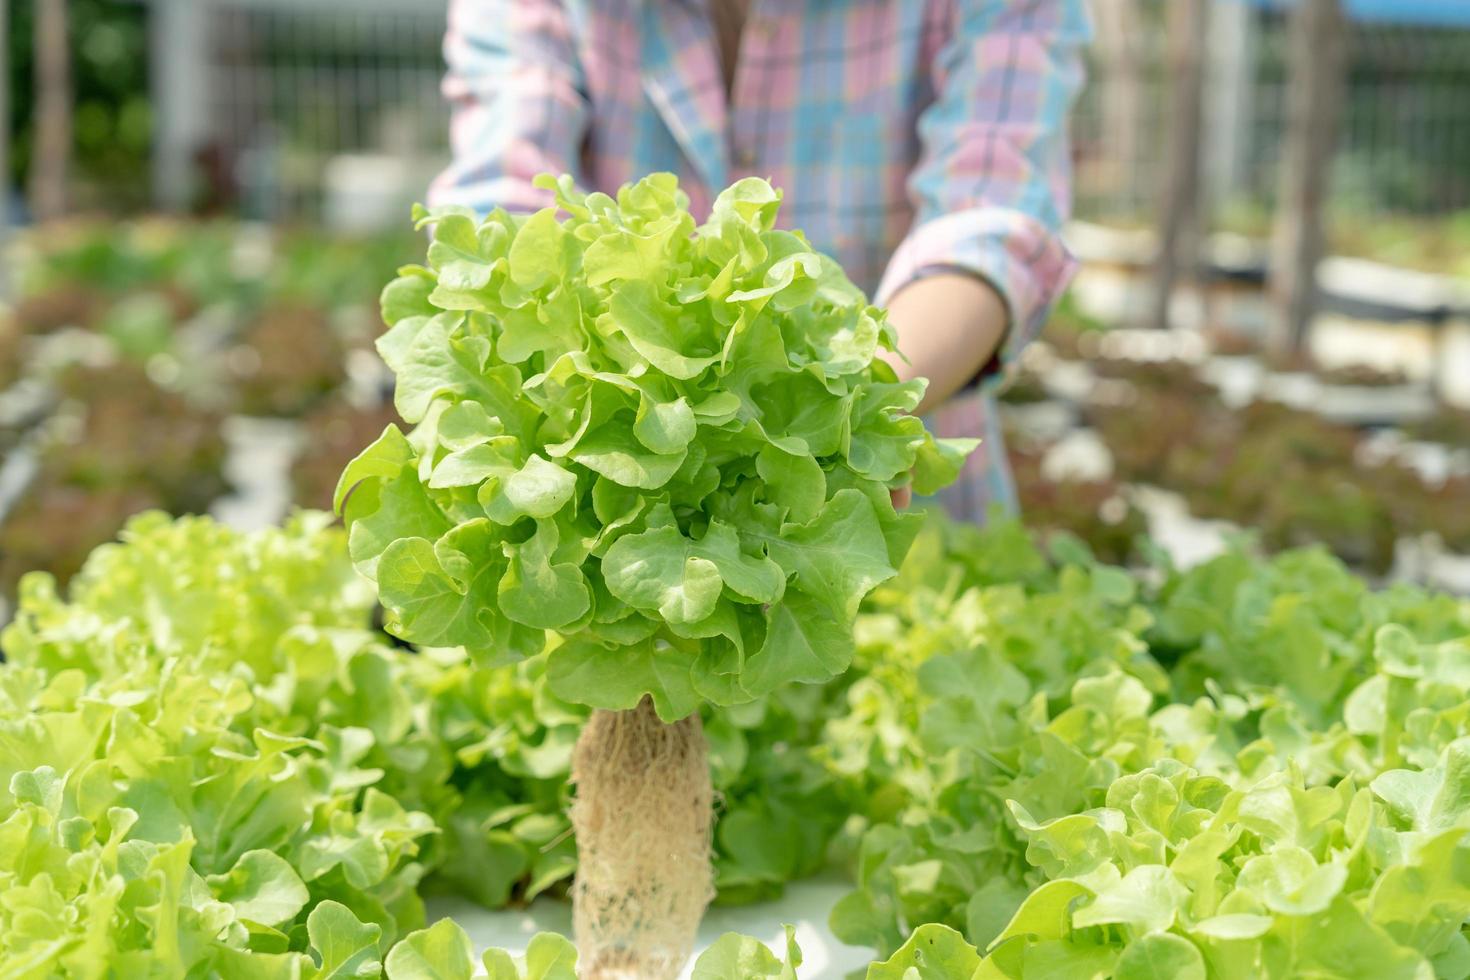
642	816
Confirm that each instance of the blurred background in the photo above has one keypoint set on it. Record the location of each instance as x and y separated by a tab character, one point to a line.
1270	334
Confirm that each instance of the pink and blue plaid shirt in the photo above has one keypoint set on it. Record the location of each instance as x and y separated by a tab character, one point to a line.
907	135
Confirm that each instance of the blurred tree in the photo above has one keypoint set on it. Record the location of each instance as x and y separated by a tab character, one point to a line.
1180	204
5	119
6	218
1316	80
51	160
108	53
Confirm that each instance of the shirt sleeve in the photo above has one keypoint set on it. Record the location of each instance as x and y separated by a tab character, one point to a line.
517	102
993	184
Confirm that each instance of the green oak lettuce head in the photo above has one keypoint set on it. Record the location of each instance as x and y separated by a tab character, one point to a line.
670	444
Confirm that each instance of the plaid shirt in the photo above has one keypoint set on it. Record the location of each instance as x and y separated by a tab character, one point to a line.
907	135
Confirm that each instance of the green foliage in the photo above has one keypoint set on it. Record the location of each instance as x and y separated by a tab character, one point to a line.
1038	766
736	957
1250	771
221	699
670	445
190	759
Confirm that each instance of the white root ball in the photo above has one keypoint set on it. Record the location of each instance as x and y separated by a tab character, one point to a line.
642	815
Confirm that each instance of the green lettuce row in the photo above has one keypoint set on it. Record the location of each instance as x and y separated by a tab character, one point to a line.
194	751
1282	802
1062	764
207	741
670	444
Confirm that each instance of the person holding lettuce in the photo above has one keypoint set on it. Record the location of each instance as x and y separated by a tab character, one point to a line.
921	143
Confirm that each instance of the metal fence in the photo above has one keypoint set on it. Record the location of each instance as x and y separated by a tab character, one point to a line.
295	101
1405	136
287	86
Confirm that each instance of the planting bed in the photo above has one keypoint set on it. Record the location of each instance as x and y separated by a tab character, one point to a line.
1380	304
1212	430
131	351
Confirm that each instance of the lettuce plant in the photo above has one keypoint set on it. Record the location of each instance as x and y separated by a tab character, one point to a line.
672	445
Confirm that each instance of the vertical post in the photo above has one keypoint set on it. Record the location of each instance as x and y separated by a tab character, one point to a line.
1317	49
178	42
1119	75
51	160
5	195
1179	207
1231	88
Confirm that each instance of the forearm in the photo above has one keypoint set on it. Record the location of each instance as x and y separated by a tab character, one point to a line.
949	327
990	192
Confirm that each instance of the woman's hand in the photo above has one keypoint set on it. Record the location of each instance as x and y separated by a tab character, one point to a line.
949	327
